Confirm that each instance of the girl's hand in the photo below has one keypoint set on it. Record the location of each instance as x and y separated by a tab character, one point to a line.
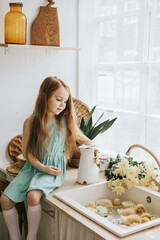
96	155
51	170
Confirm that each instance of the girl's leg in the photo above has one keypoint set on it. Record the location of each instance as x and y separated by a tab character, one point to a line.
11	217
34	213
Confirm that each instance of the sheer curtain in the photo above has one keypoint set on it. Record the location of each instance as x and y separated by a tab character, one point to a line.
119	70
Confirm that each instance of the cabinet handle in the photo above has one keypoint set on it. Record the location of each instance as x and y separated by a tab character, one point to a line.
51	213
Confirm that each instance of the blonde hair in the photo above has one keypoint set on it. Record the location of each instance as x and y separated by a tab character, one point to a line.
39	131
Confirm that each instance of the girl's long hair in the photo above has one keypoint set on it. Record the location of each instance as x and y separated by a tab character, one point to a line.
39	132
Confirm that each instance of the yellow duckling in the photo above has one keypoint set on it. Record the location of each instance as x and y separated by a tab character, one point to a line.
139	208
145	219
146	215
92	205
128	220
117	202
130	211
126	211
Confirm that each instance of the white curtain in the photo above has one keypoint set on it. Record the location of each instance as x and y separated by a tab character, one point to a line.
119	72
68	229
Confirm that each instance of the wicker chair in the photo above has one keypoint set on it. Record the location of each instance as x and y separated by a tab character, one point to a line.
81	109
20	208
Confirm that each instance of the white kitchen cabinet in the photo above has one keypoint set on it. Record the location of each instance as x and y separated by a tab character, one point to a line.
47	224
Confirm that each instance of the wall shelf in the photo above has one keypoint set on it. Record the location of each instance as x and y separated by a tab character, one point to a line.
5	45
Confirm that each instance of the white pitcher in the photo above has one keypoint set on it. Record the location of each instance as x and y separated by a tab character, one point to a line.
88	172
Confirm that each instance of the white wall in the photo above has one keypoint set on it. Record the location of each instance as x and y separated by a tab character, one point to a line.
23	70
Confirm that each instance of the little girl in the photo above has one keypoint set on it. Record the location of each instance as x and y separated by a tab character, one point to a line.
47	134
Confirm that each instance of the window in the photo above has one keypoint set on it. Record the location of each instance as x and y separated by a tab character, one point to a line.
125	65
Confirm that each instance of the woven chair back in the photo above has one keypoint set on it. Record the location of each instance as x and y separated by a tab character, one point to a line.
81	109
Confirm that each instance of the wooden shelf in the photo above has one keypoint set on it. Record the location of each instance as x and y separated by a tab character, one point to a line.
5	45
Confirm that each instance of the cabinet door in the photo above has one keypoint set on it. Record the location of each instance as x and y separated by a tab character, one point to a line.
47	225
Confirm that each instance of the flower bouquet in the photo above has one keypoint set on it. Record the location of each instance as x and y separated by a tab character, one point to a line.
124	172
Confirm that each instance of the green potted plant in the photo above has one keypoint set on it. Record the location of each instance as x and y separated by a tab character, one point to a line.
91	131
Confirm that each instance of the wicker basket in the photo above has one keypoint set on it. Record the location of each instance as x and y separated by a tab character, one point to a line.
14	169
81	109
15	147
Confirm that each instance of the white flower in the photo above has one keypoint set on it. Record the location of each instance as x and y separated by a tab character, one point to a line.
110	184
116	171
141	167
119	190
123	163
128	173
131	172
117	182
132	182
145	181
101	209
128	204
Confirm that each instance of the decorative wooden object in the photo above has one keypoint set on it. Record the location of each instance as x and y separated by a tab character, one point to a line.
15	147
45	28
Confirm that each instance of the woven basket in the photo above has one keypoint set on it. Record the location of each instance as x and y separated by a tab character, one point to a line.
15	147
14	169
81	109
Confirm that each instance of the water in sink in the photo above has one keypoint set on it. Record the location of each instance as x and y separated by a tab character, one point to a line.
111	212
79	198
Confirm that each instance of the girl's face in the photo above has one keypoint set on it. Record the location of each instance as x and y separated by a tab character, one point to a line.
57	102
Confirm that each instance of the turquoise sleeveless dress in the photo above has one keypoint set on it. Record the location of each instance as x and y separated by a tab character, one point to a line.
30	178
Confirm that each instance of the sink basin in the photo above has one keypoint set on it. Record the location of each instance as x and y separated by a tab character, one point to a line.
79	198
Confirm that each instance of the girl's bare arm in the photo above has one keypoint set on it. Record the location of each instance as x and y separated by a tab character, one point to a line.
82	139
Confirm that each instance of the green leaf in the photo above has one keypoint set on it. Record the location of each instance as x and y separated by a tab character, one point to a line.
90	115
98	119
82	125
96	123
101	128
109	125
88	127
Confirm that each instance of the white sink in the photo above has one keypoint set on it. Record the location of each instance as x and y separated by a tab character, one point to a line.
79	198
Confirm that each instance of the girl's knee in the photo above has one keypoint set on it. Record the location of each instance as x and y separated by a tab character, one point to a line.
34	197
6	202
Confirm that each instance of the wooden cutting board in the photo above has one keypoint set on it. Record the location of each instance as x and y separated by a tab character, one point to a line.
45	28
